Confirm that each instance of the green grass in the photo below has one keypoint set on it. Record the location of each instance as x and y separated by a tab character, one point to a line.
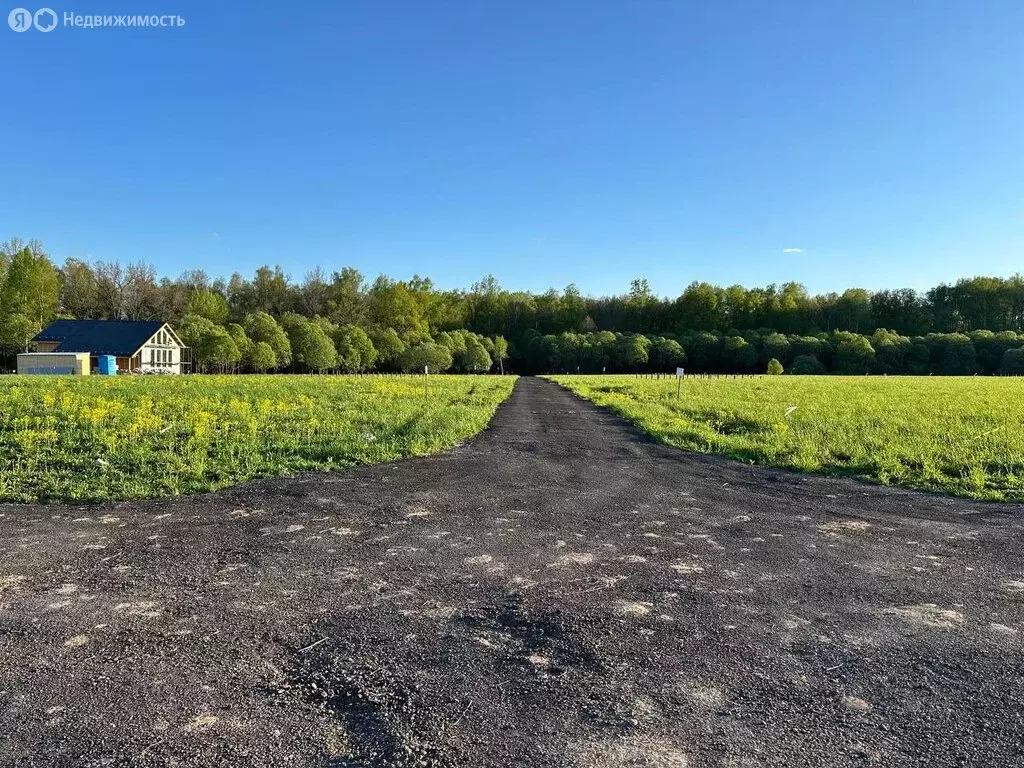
963	436
99	438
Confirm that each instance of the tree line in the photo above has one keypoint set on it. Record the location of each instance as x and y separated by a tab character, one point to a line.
340	321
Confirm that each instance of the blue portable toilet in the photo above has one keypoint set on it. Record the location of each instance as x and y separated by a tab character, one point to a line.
108	365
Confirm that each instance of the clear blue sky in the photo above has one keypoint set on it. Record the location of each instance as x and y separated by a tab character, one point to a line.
544	142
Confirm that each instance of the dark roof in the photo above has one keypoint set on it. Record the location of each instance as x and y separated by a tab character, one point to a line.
100	337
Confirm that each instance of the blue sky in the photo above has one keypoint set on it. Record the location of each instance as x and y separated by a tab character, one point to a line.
544	142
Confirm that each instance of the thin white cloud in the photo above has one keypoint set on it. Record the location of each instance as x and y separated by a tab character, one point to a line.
792	250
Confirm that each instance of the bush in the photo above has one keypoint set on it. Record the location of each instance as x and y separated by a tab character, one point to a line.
774	367
806	365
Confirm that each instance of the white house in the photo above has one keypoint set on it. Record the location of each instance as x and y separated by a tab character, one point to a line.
139	346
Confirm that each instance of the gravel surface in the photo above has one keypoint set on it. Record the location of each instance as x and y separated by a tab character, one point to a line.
558	592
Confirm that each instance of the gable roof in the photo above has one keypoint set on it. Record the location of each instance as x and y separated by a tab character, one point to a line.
100	337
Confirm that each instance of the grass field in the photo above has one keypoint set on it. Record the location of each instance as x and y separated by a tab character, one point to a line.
91	439
963	436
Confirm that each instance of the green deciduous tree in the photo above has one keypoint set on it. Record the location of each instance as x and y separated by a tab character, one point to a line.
666	353
740	356
892	352
475	358
500	352
435	357
79	291
854	354
209	304
346	299
260	326
700	308
955	353
1013	362
776	345
217	350
260	357
355	349
237	334
391	304
806	365
29	297
192	328
311	347
389	348
632	351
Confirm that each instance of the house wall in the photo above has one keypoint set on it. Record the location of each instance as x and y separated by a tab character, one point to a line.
161	353
46	346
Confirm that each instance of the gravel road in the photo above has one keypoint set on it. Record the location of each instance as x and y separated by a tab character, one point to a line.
557	592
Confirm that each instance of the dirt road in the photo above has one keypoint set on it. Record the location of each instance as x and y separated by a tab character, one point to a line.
558	592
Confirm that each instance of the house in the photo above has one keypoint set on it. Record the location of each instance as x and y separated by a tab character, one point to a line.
138	346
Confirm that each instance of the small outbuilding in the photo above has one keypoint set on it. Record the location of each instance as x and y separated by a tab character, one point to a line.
137	346
54	363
